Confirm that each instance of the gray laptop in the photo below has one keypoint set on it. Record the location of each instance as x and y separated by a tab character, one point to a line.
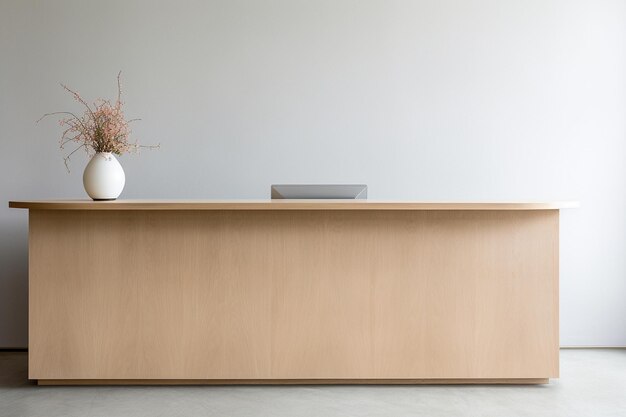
320	191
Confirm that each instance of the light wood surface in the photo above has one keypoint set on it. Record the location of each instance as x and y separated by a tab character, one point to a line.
293	295
510	381
283	205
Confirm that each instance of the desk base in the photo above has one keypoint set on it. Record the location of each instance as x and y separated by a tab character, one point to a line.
486	381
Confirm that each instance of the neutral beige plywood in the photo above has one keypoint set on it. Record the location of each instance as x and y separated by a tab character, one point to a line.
283	205
293	295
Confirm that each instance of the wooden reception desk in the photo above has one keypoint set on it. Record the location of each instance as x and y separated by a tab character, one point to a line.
292	292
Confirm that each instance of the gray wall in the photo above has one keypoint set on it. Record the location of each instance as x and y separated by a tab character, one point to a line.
422	100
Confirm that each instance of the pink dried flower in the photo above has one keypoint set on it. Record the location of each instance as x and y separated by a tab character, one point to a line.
102	127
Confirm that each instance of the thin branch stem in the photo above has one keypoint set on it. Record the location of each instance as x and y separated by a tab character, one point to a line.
63	112
55	113
79	98
157	146
67	158
119	89
67	140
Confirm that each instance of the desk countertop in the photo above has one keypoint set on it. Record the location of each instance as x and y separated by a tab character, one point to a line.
283	205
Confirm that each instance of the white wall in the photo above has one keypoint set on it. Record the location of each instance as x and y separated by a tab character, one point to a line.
422	100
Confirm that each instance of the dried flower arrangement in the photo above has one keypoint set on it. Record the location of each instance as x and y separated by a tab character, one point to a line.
102	128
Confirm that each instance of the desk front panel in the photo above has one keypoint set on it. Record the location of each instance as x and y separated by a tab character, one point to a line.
293	295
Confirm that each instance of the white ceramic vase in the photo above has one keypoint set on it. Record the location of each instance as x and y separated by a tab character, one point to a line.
104	177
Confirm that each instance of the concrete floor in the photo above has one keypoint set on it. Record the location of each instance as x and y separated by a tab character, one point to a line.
592	383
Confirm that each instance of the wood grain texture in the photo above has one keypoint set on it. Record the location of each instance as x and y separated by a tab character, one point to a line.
293	295
283	205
